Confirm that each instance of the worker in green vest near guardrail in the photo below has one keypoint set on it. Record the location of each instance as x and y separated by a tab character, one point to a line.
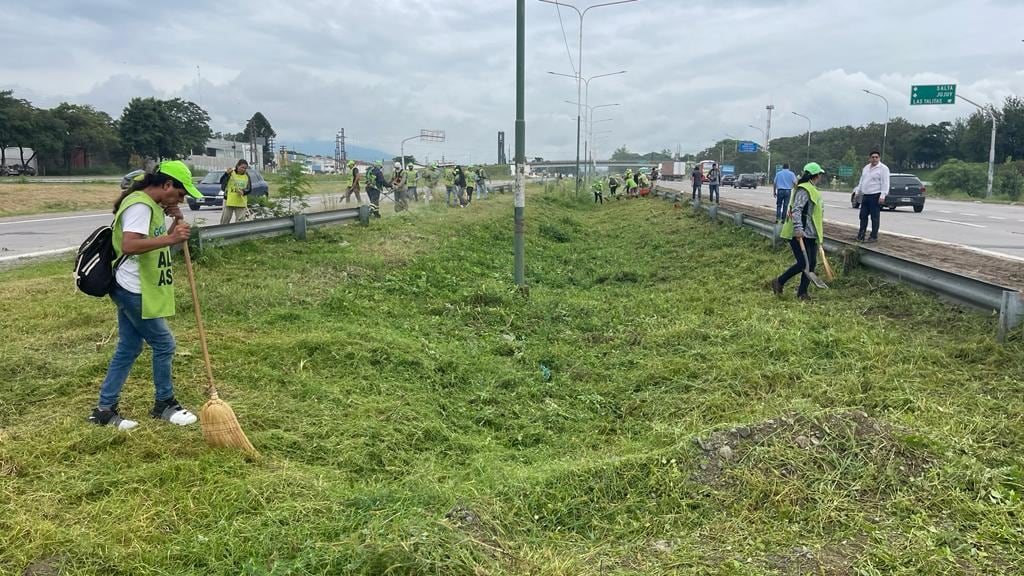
412	176
449	185
805	221
237	187
598	188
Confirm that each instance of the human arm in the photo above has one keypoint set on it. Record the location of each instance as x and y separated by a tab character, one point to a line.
885	183
799	205
134	243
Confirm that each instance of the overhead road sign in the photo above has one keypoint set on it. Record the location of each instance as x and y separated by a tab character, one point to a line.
932	94
748	147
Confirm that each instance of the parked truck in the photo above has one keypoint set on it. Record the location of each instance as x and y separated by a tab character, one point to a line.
674	170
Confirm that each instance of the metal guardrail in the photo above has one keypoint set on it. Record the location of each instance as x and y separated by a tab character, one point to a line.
267	227
1009	303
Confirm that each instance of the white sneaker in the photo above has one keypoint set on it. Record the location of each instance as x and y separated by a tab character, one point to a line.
172	411
110	417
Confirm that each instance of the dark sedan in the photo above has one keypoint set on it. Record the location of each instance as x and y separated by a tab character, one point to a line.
904	190
728	180
213	196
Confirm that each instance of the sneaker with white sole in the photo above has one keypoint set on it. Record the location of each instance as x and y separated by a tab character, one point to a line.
172	411
110	417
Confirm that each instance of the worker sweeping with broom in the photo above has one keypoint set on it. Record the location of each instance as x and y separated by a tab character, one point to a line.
143	291
804	228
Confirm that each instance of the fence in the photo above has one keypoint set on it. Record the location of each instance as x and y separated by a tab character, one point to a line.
972	292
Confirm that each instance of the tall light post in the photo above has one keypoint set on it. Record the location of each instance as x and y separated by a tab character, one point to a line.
586	101
808	158
590	109
579	72
885	128
519	197
991	111
765	136
768	139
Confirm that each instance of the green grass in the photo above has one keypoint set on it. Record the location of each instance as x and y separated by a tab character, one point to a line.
391	377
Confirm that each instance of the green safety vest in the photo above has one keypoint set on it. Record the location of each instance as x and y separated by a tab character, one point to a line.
412	175
818	215
237	184
155	272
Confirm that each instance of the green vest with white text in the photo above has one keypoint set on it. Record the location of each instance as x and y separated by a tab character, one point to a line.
155	272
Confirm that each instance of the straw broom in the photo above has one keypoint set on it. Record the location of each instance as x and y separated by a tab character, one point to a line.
216	419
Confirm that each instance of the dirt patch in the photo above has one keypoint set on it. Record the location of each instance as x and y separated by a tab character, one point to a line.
832	560
48	566
729	447
485	535
1001	271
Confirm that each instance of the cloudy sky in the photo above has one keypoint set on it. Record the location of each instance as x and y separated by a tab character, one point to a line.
384	69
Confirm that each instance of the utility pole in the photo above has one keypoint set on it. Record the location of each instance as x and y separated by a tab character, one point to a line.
885	128
519	200
768	140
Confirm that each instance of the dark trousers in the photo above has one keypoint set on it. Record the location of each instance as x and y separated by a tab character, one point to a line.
781	204
869	206
812	260
696	191
713	193
374	196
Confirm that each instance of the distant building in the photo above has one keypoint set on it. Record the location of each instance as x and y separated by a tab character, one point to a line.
12	157
223	154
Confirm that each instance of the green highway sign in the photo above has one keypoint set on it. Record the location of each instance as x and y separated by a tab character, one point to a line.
932	94
845	171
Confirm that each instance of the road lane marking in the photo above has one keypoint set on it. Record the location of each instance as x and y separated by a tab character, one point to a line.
996	218
956	222
57	218
966	214
945	212
37	254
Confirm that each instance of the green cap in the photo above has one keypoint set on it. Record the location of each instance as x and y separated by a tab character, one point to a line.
380	162
813	168
179	171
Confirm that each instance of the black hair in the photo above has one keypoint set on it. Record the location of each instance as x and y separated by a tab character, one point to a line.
873	152
785	166
240	162
148	179
807	177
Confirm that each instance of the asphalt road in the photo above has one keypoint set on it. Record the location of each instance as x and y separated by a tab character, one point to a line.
52	234
990	228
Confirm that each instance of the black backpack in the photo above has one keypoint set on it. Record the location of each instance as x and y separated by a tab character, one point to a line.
95	265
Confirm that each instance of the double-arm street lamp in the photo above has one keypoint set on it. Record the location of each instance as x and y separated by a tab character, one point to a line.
579	71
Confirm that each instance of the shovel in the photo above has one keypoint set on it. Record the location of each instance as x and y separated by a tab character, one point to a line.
807	266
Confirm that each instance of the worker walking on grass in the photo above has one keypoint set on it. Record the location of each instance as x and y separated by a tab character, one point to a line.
714	182
353	188
449	186
806	222
143	289
697	179
630	183
613	186
374	184
412	177
236	185
481	184
400	184
643	183
598	187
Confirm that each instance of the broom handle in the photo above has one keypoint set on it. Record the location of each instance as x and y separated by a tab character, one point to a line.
211	390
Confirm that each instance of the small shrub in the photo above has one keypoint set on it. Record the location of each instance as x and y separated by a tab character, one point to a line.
959	177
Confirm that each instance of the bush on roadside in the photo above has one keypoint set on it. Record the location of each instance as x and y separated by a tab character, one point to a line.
959	177
1010	180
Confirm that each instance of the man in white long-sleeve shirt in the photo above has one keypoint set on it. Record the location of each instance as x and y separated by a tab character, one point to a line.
873	188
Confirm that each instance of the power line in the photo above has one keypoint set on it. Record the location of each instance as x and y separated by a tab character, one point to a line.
558	10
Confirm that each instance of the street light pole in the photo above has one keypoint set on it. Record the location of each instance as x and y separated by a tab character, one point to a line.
768	140
808	158
519	199
885	129
992	145
586	82
579	73
765	136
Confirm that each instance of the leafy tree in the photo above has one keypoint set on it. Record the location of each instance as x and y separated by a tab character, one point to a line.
406	160
192	125
87	130
162	129
624	155
959	177
15	122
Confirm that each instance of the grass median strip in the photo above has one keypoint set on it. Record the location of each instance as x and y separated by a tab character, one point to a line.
392	379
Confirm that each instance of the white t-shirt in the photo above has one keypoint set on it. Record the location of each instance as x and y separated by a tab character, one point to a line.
134	219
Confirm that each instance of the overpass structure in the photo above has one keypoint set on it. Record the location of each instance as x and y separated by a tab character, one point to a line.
560	164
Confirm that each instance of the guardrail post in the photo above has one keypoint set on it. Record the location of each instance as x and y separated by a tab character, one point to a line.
1011	312
777	235
364	214
300	226
738	218
713	213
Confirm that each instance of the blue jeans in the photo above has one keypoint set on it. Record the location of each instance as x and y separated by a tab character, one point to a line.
481	188
781	204
713	193
449	193
132	330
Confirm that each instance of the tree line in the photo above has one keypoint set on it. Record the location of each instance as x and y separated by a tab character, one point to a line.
908	146
70	135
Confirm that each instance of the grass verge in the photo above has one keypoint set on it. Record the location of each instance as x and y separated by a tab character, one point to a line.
687	421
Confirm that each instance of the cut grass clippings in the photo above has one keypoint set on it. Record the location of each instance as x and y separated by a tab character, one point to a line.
391	376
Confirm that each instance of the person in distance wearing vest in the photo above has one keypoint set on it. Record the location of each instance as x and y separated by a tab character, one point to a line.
806	220
144	289
236	185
